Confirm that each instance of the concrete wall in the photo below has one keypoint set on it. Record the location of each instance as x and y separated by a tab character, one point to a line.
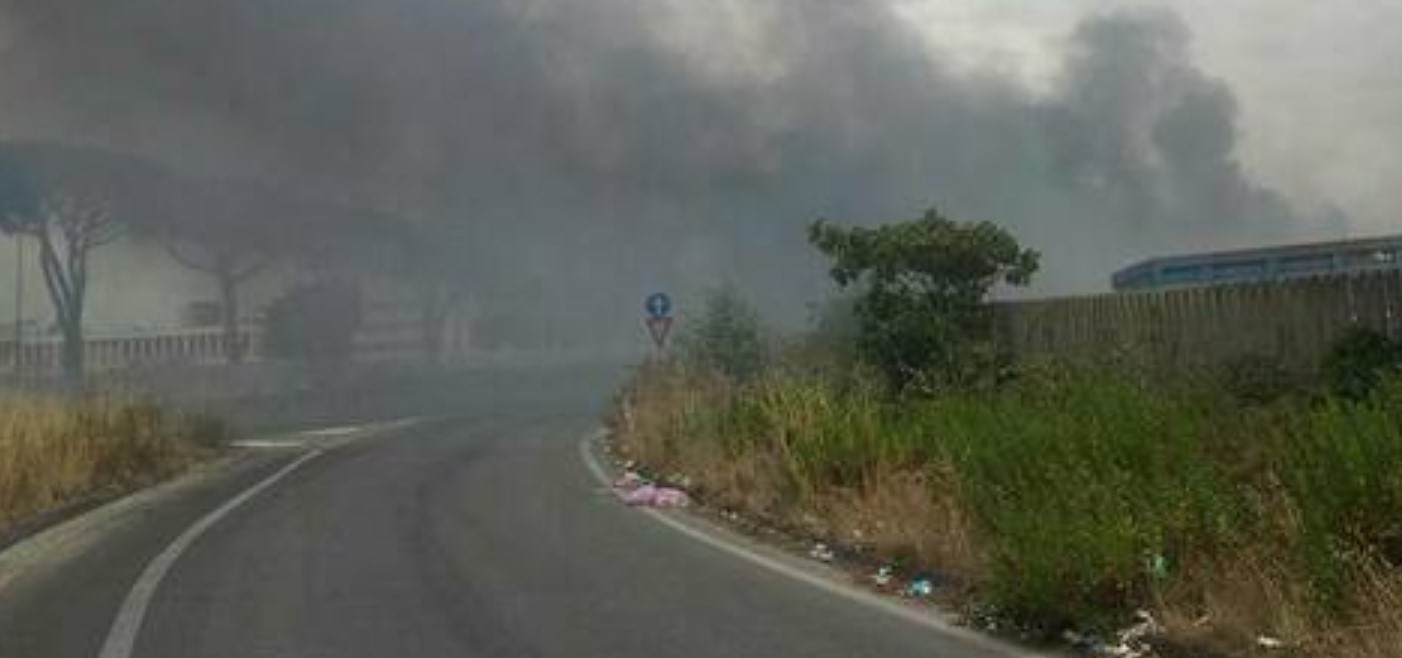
1291	321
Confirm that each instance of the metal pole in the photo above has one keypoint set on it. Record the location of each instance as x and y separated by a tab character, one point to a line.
19	305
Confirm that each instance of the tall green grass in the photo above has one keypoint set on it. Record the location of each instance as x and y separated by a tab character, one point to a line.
1087	490
1092	494
1341	463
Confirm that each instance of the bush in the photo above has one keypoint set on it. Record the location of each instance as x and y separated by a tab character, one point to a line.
726	338
1357	361
921	288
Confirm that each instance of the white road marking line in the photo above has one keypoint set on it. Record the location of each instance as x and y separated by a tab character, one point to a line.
909	613
265	444
332	432
121	639
326	436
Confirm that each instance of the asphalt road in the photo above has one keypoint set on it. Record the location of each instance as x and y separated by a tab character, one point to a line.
481	536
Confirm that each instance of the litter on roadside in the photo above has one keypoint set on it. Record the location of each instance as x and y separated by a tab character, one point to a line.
1126	651
1081	641
649	495
1133	641
637	491
883	576
681	480
669	497
629	481
919	588
822	552
1144	628
1157	566
1268	642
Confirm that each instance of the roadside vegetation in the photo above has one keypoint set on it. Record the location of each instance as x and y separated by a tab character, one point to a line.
58	452
1240	509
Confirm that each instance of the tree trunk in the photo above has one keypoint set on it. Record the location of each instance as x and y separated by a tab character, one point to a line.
67	287
234	347
73	355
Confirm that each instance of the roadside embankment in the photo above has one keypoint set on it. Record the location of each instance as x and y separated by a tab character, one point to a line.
1068	500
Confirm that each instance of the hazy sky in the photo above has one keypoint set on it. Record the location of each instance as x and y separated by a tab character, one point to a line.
586	152
1319	84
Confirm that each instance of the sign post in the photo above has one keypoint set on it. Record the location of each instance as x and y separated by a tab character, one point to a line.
18	345
659	319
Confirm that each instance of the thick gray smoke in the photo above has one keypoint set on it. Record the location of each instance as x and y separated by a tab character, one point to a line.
585	152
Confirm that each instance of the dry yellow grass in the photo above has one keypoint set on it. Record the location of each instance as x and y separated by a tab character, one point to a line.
912	516
1228	605
56	452
648	420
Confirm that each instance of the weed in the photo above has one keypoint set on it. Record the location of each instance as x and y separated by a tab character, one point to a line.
1072	497
55	452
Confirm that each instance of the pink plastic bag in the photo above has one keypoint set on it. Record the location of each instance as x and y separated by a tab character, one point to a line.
648	495
640	496
668	497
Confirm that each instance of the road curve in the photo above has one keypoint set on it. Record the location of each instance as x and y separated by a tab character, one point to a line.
475	537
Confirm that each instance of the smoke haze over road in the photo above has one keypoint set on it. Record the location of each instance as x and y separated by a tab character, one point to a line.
579	153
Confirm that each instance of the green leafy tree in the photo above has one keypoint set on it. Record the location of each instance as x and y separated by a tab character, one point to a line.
921	292
726	338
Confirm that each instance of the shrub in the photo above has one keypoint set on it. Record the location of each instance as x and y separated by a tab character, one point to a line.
921	287
726	338
1357	360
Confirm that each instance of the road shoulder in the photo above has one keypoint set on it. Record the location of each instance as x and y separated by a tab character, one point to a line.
775	559
61	586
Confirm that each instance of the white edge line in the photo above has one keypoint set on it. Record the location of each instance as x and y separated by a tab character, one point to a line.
121	639
908	613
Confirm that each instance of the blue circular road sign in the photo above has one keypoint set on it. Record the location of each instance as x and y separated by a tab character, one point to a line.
658	305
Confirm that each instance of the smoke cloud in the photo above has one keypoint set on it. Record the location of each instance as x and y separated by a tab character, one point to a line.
584	152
